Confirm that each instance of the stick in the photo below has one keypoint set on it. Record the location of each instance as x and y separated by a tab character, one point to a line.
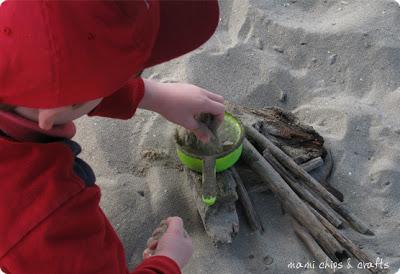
259	188
252	216
347	243
327	171
329	213
296	207
308	179
310	243
312	164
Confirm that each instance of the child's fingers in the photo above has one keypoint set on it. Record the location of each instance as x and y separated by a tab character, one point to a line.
220	118
200	130
203	134
147	253
214	108
217	109
175	225
158	232
215	97
152	243
163	222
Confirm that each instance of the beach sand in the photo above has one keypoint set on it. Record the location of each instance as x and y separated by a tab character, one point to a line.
335	64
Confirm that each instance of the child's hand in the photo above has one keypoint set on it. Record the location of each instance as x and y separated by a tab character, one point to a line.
174	243
180	103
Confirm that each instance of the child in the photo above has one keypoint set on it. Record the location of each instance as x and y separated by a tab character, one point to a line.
60	60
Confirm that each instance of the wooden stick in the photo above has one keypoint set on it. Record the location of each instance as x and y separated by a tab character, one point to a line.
346	242
252	216
329	213
296	207
310	243
326	173
288	162
312	164
258	188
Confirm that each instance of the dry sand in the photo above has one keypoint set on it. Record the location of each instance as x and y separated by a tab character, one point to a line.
335	64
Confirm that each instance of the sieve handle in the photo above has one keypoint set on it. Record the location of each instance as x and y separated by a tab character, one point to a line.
209	181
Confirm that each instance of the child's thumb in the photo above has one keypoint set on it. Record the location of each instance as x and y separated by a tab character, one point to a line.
175	225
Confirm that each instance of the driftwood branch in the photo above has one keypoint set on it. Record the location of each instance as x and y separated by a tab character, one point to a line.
252	216
259	188
326	211
220	221
310	243
347	243
312	164
314	185
325	173
296	207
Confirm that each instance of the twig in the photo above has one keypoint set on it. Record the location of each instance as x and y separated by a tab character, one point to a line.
326	173
259	188
312	164
251	213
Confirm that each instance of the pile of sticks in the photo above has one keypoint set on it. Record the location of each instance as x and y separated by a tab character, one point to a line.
317	214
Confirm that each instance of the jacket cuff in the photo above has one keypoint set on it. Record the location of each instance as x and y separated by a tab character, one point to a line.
123	103
158	264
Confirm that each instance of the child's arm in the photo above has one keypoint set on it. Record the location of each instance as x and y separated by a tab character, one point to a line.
179	103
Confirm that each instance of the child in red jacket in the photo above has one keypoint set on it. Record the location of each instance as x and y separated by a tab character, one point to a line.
60	60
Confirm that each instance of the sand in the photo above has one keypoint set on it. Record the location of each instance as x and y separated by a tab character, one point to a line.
335	64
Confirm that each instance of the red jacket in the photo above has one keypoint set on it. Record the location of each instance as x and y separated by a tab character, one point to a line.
50	219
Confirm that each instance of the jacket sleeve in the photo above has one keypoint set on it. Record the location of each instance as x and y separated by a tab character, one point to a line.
123	103
77	238
157	264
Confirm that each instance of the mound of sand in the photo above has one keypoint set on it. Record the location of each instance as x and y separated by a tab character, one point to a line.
335	64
